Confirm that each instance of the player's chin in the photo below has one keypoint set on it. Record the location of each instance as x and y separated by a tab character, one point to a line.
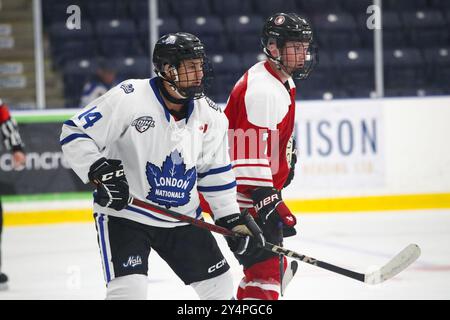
192	85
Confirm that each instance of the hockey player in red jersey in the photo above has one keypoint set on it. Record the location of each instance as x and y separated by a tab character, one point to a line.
261	114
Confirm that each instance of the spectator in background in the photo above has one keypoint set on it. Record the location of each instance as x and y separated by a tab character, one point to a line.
104	79
12	141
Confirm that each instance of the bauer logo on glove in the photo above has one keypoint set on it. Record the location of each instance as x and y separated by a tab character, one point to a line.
270	206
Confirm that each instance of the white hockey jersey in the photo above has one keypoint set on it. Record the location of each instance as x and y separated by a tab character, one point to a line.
166	162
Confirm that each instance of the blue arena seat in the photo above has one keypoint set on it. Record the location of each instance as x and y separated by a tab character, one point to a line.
226	63
69	50
356	7
326	94
231	7
318	6
426	28
440	4
394	35
215	43
438	66
244	32
115	28
243	24
202	25
246	42
356	68
269	7
165	25
183	8
139	9
404	68
60	32
404	5
119	47
133	67
107	9
76	73
334	21
336	30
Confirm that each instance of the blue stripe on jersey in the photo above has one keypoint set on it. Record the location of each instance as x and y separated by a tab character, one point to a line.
103	244
158	96
198	212
190	103
70	123
190	109
214	171
217	188
73	137
148	215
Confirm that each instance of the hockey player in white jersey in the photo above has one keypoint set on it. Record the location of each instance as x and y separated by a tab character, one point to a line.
160	140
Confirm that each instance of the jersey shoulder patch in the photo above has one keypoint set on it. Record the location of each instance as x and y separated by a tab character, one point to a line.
127	87
212	104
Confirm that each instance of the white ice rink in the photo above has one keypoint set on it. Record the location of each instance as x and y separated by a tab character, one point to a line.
62	261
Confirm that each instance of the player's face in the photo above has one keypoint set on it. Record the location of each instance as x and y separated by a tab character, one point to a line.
293	55
190	73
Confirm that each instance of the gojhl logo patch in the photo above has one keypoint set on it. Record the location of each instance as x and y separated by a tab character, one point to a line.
127	88
143	123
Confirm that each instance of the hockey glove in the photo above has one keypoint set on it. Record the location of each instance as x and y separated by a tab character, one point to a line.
112	186
243	223
291	156
271	208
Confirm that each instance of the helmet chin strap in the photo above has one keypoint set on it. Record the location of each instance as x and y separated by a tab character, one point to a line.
279	64
167	94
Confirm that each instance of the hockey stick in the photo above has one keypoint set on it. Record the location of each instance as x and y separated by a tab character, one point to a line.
396	265
281	257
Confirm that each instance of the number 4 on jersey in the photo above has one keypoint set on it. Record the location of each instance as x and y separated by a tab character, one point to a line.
90	117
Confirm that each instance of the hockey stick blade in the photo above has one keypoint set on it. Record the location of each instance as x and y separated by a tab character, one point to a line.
397	264
290	272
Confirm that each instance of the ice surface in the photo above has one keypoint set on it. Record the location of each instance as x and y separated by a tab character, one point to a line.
63	262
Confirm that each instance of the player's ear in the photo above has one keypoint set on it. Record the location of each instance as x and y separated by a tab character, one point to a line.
273	49
168	71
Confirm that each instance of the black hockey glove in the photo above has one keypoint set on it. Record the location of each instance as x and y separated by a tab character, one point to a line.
271	208
291	156
243	223
112	186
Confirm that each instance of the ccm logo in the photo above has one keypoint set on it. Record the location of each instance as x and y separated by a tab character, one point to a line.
217	266
111	175
266	201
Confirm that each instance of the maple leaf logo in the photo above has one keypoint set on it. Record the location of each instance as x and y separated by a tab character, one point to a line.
171	184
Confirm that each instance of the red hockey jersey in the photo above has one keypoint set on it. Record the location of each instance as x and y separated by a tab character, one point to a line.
261	114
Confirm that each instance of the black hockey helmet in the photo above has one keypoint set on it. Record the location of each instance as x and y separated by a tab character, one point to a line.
283	27
172	49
